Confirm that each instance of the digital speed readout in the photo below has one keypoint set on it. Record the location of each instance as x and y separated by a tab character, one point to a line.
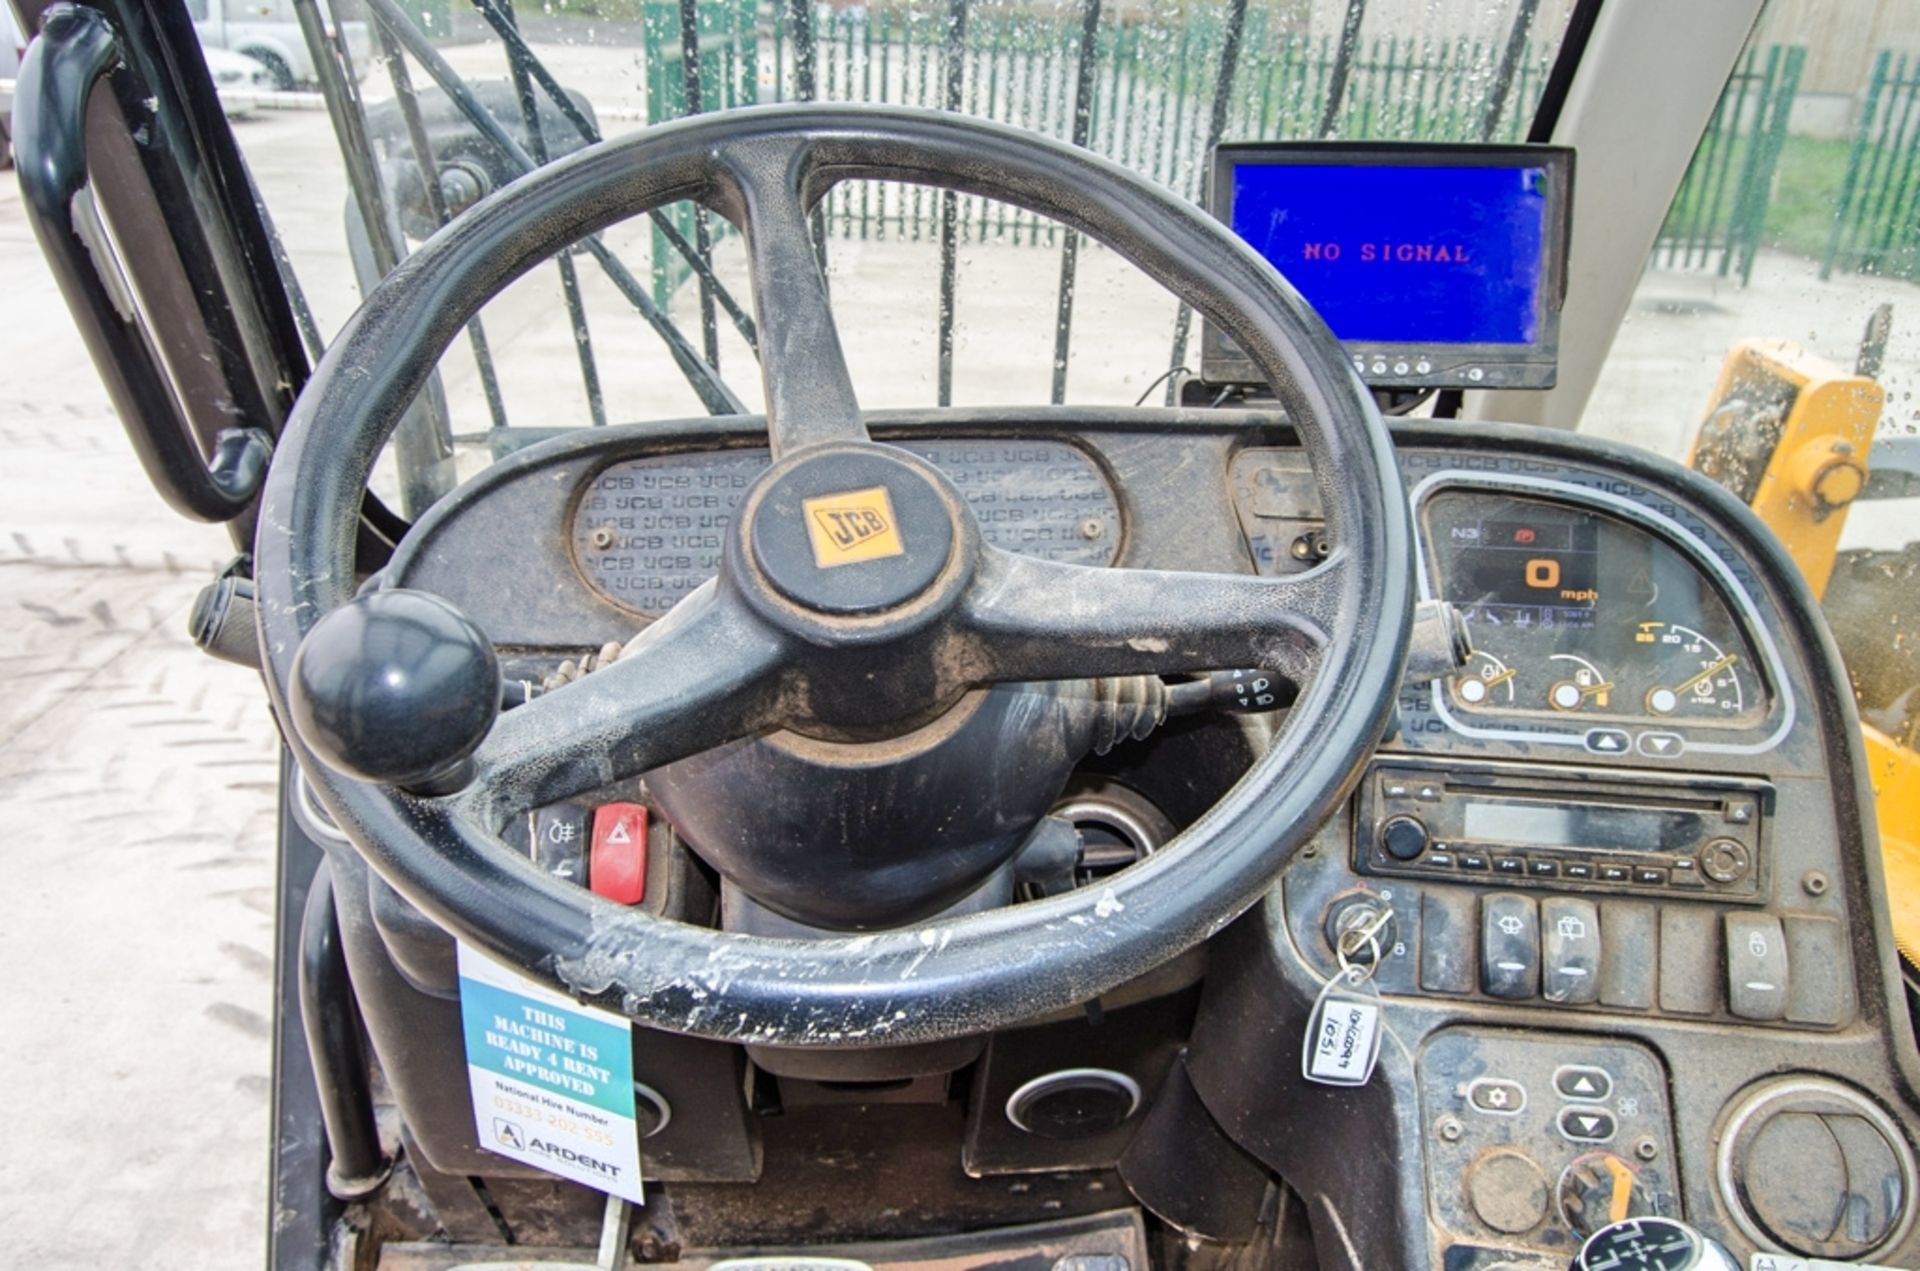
1573	613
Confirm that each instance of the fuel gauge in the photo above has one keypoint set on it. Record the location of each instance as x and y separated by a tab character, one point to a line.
1484	681
1581	686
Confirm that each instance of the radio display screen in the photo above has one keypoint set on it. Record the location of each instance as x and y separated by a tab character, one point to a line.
1593	827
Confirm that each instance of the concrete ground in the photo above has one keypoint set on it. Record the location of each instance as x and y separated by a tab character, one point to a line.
136	776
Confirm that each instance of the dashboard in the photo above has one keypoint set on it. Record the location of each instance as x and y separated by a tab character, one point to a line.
1622	914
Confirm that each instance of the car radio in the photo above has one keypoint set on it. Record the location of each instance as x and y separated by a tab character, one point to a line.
1520	825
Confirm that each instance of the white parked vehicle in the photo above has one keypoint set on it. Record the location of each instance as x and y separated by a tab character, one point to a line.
240	80
269	32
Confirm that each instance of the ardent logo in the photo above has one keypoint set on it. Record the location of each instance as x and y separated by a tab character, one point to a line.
852	526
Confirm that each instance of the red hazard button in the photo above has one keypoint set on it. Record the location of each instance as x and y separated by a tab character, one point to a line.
618	867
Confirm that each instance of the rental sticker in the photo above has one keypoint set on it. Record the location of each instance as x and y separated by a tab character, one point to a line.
552	1080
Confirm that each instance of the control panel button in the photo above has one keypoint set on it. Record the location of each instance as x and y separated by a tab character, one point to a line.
1586	1125
1440	860
1579	871
1446	941
618	868
1650	876
1570	935
1741	811
1756	966
1403	838
1508	1192
1473	860
1656	745
560	841
1820	991
1509	946
1615	874
1541	868
1583	1082
1609	741
1690	967
1726	860
1627	963
1497	1096
1509	865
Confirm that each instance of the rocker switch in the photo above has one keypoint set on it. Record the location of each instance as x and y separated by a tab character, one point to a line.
1509	946
618	866
1756	966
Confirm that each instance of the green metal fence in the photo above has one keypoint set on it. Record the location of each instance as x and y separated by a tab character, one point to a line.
1717	218
1153	85
728	37
1876	227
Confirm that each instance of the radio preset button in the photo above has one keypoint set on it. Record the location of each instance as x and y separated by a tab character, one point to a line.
1473	860
1543	868
1647	876
1509	865
1615	874
1403	838
1579	871
1726	860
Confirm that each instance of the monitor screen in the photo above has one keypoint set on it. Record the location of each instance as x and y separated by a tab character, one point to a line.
1435	266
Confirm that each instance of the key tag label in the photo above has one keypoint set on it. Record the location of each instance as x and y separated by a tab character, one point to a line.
1343	1033
552	1080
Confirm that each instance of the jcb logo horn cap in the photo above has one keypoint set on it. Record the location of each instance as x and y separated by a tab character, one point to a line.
852	526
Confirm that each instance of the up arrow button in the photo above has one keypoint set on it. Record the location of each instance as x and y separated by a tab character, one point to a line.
1576	1081
1609	741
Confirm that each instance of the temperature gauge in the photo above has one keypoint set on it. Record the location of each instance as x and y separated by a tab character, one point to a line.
1484	681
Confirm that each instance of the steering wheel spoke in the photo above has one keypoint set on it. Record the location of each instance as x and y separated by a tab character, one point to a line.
706	674
1032	619
809	390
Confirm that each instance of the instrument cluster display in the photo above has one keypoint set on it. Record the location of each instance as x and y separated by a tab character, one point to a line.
1574	614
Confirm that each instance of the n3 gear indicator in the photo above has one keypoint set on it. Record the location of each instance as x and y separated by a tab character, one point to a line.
1575	615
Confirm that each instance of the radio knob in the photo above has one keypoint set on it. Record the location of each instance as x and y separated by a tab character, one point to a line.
1725	860
1404	837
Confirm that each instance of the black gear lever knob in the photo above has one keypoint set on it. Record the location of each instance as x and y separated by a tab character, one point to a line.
396	687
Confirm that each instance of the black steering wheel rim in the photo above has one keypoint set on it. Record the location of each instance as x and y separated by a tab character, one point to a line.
947	978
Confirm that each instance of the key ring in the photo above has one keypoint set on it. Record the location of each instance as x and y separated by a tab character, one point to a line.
1354	939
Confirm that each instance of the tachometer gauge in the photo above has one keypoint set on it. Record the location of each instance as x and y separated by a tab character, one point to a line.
1484	681
1579	684
1693	677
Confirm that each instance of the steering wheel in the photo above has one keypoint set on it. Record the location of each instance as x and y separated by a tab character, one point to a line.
852	628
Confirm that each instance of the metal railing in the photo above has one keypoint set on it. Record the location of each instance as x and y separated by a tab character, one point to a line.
1155	91
1720	212
1876	228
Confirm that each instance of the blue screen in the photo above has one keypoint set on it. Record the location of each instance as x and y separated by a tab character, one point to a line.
1404	255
